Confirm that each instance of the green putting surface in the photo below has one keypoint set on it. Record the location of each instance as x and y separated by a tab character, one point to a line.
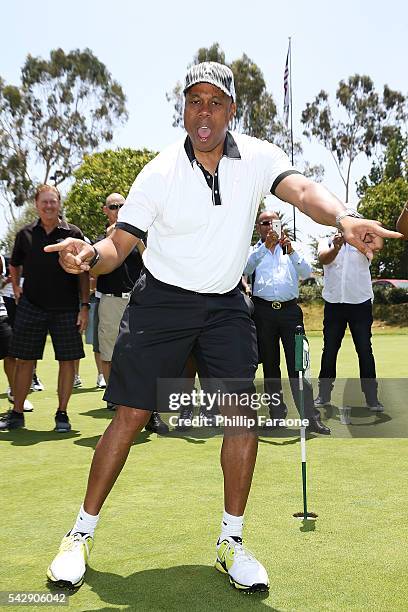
155	543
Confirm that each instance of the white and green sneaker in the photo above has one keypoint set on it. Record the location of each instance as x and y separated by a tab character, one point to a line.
69	566
244	571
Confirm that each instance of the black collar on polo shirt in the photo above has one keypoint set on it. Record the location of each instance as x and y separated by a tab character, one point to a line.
230	150
62	224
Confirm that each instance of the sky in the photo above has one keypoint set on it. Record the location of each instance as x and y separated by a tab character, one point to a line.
147	46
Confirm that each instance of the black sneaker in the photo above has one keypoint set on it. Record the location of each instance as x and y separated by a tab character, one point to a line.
62	424
12	420
322	400
156	425
210	420
184	420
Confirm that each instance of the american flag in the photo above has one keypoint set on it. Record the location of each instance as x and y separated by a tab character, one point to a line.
286	99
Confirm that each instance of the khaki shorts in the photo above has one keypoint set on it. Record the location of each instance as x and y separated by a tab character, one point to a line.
111	310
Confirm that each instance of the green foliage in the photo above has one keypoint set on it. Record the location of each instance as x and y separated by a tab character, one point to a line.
64	107
390	295
384	202
310	293
100	175
391	314
392	165
366	120
381	294
397	295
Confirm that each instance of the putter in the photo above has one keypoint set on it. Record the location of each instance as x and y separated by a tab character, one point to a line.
302	363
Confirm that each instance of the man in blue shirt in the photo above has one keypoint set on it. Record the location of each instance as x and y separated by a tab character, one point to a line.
275	268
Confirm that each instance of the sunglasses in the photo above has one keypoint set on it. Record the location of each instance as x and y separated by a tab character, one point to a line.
265	222
114	206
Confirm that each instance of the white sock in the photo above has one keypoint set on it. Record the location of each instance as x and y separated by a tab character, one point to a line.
85	522
231	525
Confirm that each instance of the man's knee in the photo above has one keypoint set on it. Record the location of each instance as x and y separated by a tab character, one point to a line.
25	363
131	419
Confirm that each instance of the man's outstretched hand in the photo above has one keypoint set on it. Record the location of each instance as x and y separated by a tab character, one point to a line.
366	235
74	254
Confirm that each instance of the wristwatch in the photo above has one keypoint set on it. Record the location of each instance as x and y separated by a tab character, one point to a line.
94	259
87	304
347	212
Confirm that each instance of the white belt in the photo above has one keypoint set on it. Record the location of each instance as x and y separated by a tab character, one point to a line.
118	295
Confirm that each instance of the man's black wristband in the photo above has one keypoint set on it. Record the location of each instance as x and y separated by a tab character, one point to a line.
94	259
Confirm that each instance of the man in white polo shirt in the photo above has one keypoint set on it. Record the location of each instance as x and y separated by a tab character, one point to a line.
198	200
348	296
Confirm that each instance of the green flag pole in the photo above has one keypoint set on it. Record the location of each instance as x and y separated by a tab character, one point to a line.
302	366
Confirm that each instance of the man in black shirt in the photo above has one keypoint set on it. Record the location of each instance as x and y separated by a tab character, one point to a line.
115	288
50	301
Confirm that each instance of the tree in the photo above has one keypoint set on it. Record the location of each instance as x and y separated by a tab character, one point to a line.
100	175
384	202
366	121
393	164
64	108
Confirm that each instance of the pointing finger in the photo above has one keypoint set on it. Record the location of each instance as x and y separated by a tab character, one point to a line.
60	246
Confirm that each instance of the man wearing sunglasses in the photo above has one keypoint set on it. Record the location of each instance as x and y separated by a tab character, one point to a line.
275	268
114	289
198	200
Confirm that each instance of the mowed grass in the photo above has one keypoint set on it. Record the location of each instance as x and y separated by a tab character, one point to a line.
154	548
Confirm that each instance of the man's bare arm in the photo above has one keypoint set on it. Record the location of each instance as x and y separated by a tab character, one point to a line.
323	207
329	253
75	255
84	287
311	198
15	273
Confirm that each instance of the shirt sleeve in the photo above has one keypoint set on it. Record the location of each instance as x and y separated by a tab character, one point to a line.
77	233
144	200
302	267
18	254
277	166
256	254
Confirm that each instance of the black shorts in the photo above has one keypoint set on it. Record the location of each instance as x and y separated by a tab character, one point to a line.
162	325
5	337
30	332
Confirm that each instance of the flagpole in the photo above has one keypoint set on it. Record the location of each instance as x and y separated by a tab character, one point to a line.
291	125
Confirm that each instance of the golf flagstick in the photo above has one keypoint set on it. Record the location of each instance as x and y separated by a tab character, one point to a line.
302	365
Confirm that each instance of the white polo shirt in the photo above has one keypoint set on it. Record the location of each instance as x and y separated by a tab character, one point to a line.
200	226
347	280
